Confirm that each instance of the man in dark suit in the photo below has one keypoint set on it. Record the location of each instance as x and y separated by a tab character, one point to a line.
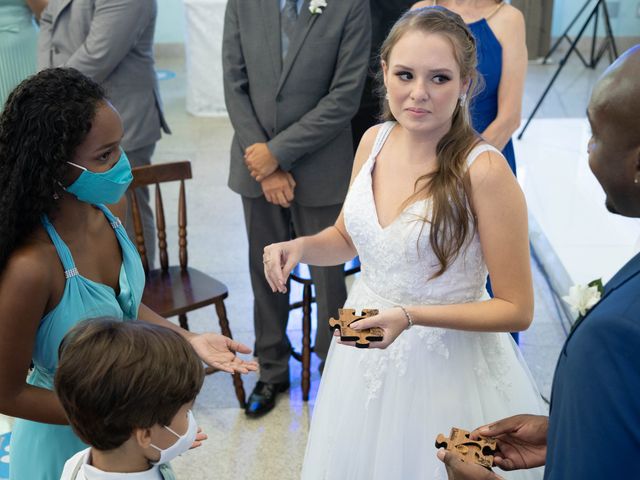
384	13
293	75
593	431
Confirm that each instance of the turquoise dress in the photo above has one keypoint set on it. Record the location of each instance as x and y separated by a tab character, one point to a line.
18	45
40	450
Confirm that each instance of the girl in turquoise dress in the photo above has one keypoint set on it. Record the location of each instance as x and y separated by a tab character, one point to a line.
64	256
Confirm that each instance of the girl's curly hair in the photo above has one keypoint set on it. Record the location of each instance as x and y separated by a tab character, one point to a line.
44	120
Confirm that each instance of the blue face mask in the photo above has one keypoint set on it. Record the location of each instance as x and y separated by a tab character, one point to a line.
106	187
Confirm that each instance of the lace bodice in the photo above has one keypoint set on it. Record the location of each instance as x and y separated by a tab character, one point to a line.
397	261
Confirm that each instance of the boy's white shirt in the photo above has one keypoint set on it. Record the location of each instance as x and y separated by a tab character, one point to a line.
89	472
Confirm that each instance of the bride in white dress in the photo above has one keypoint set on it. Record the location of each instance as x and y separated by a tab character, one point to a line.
430	207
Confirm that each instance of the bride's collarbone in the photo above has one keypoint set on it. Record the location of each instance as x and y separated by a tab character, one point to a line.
400	175
390	202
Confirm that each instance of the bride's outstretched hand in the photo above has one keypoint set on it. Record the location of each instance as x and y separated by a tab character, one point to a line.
279	259
392	322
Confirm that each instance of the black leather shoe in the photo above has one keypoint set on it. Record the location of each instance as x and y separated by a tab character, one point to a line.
263	398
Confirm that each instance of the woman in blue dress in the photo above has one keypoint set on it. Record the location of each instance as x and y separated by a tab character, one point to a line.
64	256
499	31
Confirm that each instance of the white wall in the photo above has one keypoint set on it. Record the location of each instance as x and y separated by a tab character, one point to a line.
626	24
170	26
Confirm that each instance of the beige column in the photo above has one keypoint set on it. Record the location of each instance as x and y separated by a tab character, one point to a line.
537	14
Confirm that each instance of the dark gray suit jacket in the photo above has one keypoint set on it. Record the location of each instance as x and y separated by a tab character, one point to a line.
301	108
110	41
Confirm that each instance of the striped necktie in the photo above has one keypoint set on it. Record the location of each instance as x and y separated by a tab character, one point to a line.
288	19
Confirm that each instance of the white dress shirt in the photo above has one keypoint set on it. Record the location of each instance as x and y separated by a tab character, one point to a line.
78	468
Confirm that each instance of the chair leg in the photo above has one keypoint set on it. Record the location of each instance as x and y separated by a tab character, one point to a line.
226	331
182	319
306	342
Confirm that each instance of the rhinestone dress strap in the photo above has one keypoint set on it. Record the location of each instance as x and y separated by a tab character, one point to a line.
72	272
113	220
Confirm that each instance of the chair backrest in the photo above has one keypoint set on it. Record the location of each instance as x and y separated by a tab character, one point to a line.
157	174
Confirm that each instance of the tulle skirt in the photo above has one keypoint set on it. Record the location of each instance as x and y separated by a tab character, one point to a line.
378	412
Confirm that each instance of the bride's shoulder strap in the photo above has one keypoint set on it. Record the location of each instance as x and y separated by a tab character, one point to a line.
383	134
480	149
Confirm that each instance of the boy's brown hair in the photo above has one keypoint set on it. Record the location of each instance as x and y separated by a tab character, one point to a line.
116	376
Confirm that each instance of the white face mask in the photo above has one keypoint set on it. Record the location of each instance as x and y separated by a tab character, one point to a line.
183	443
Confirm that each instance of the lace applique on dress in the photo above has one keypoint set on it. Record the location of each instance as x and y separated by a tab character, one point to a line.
494	370
397	266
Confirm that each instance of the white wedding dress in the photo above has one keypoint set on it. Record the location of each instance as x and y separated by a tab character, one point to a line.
378	412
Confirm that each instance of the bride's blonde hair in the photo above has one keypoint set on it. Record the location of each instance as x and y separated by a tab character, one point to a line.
451	219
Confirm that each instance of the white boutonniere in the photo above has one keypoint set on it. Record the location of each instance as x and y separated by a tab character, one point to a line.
582	298
316	7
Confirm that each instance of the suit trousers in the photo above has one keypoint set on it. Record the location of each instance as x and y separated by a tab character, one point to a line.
267	223
139	158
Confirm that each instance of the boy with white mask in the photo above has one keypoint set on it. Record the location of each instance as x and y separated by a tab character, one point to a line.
127	389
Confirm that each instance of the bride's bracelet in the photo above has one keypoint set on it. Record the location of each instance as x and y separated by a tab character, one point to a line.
407	316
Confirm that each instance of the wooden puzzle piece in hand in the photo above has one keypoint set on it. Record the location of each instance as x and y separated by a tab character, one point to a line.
347	334
479	451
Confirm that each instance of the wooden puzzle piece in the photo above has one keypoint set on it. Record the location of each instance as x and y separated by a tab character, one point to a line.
347	334
480	451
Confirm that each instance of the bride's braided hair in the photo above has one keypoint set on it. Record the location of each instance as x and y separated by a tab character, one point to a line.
452	222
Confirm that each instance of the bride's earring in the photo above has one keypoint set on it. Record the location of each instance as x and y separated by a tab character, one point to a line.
463	99
636	179
386	96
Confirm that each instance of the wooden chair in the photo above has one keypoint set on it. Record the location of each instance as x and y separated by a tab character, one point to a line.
301	275
176	290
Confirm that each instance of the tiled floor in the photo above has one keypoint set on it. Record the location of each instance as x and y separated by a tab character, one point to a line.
273	447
